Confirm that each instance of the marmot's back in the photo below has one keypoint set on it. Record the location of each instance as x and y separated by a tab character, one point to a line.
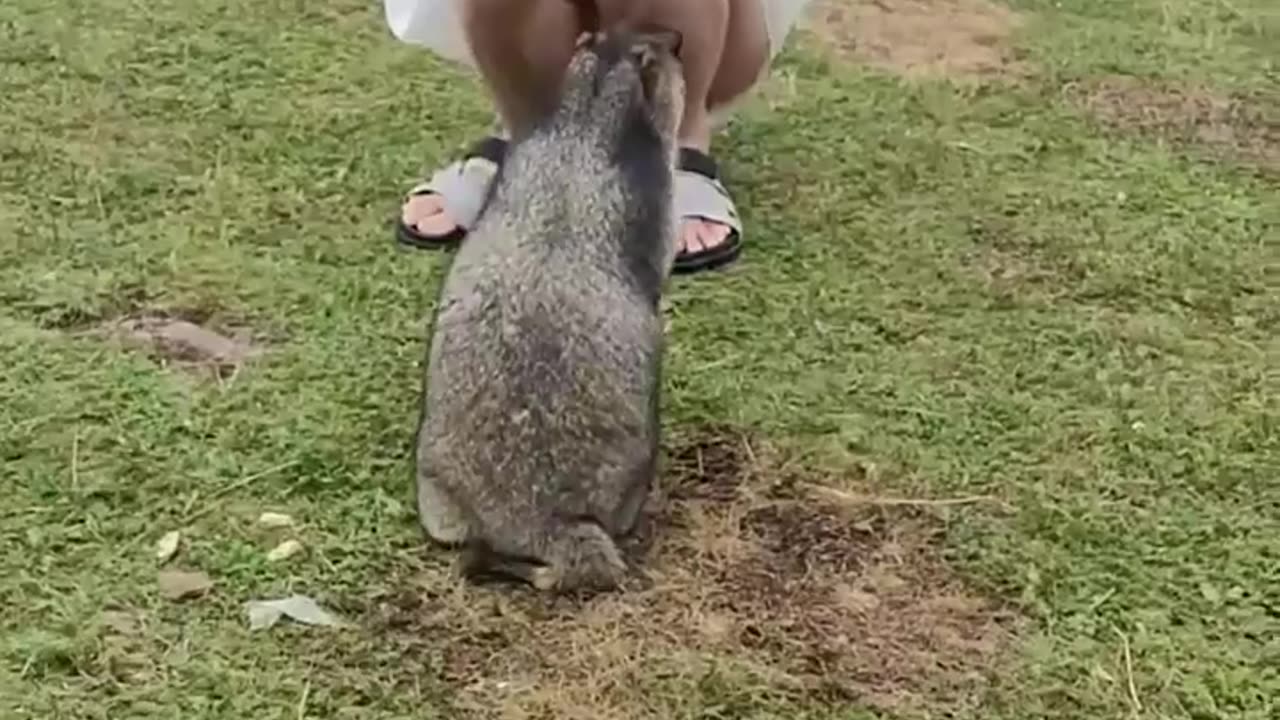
539	435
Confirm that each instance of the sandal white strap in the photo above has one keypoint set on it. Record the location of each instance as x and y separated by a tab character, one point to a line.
462	186
698	196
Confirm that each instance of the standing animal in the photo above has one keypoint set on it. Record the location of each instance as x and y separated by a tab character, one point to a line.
539	435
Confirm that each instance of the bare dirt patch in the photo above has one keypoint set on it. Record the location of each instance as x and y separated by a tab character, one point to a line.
748	572
192	342
959	39
1236	127
1013	268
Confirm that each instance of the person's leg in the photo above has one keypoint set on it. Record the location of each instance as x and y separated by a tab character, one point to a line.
522	46
730	54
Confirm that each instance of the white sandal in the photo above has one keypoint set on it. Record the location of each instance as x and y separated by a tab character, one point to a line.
463	184
700	194
462	187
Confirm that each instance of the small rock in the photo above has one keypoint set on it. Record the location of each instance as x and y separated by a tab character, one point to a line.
285	550
274	520
167	545
182	584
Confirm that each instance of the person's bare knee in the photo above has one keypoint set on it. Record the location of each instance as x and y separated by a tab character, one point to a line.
523	46
746	53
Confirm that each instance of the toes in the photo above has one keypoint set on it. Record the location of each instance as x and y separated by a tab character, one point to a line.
699	235
690	241
417	207
427	216
713	235
442	223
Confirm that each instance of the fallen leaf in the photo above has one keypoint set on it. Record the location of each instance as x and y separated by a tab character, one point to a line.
274	520
167	545
285	550
181	584
265	613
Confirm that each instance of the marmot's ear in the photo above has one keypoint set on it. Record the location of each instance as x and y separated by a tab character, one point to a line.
588	38
656	52
652	47
659	40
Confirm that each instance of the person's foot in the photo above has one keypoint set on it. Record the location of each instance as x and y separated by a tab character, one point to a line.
710	230
436	213
698	236
426	215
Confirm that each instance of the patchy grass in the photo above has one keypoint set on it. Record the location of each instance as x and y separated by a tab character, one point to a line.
958	39
960	288
1243	129
842	602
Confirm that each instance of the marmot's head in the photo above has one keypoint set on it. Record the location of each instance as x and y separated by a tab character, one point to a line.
621	81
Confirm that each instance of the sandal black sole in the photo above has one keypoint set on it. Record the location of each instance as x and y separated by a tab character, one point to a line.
715	258
409	237
721	255
493	149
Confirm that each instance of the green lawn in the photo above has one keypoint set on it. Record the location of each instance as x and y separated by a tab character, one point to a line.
951	290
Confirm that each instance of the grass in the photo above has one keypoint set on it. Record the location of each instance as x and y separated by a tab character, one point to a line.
951	290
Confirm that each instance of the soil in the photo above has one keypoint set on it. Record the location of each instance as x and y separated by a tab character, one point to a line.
957	39
745	569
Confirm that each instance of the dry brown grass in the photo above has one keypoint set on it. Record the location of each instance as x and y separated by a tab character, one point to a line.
1237	127
743	569
958	39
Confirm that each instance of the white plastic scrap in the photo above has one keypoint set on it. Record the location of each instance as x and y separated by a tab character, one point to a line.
265	613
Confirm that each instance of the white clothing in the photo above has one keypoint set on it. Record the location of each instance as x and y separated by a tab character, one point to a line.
437	25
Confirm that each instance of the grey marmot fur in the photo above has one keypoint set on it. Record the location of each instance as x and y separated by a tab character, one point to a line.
539	434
